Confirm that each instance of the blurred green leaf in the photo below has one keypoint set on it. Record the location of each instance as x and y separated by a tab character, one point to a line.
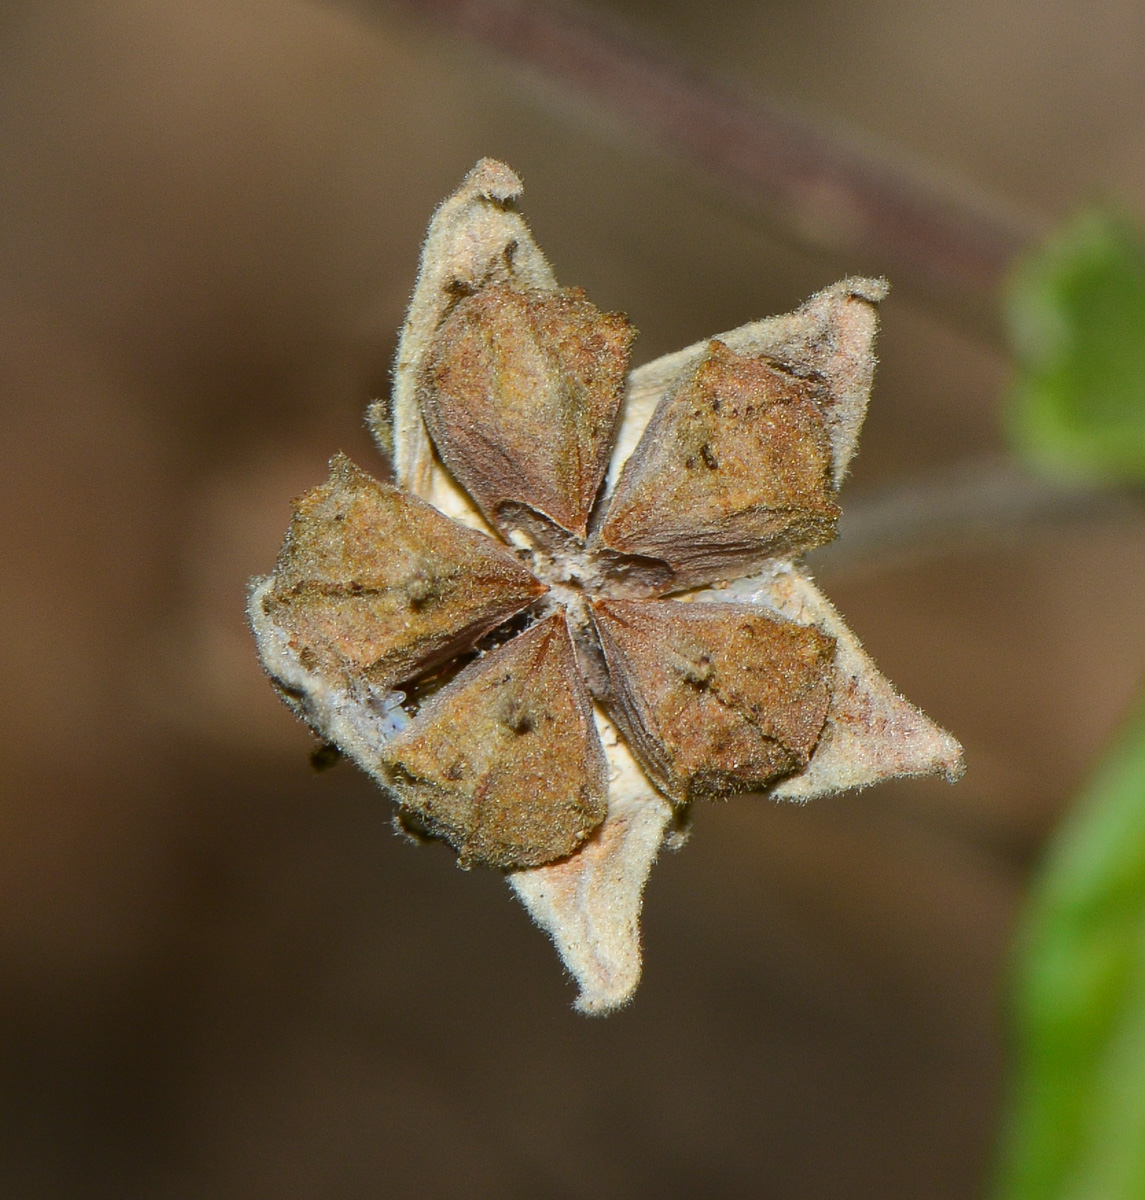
1076	312
1077	1121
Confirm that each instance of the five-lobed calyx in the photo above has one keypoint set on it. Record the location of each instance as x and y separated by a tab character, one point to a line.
574	558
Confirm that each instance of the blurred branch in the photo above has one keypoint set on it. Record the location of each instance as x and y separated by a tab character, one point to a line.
988	503
866	208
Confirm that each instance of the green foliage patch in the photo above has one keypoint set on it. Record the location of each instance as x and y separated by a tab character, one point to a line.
1078	1118
1076	313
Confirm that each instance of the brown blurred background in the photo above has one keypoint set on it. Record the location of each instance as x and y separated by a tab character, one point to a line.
220	974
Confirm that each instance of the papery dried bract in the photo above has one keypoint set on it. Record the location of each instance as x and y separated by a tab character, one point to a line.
715	698
520	392
871	732
373	582
734	468
476	239
828	340
504	763
753	685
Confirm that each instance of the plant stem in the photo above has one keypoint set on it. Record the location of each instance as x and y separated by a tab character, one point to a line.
978	503
815	186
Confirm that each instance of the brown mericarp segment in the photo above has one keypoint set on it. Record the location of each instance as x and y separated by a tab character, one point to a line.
372	581
505	763
715	698
734	468
520	392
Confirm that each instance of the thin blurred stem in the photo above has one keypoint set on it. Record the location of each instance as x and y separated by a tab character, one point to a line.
866	209
979	504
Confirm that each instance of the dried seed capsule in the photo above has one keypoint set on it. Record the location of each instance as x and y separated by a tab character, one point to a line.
374	582
715	698
504	762
520	391
733	468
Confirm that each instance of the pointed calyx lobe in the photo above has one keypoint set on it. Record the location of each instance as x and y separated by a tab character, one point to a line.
735	467
715	698
505	763
373	582
520	391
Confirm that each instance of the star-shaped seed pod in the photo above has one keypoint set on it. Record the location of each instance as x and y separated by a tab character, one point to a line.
579	606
